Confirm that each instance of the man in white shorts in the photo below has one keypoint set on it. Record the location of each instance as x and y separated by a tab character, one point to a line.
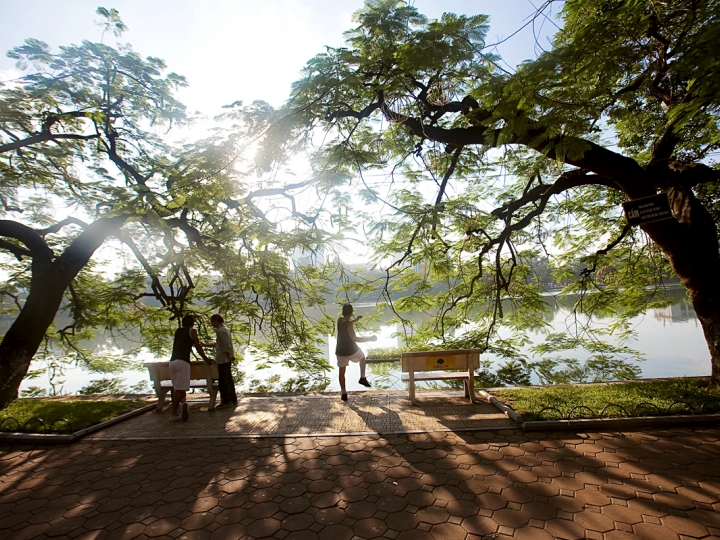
185	338
347	350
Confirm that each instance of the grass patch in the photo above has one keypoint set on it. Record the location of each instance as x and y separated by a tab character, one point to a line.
52	416
653	398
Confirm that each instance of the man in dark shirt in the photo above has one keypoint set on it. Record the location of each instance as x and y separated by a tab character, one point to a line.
185	338
347	350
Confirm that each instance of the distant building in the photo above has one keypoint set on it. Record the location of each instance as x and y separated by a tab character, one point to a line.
303	257
680	312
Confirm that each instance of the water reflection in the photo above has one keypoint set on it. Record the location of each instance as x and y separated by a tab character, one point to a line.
670	337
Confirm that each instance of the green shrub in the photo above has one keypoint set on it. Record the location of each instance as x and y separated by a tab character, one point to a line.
651	398
45	416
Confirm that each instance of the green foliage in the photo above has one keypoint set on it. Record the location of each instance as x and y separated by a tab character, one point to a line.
598	368
418	115
83	137
114	385
79	414
33	392
384	353
664	397
295	385
514	373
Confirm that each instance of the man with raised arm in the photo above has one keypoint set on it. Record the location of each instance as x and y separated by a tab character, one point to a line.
347	350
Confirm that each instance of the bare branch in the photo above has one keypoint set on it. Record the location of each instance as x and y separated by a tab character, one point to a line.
8	207
44	137
157	288
270	192
587	271
568	180
16	250
32	240
367	111
59	225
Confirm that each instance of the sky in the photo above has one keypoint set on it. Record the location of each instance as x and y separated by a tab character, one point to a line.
245	50
233	50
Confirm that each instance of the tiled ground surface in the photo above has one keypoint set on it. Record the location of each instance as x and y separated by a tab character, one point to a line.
362	413
442	485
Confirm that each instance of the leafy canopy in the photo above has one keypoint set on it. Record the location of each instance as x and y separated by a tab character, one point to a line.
474	172
86	147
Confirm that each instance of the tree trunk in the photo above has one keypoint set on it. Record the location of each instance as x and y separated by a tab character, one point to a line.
708	313
50	279
26	334
690	243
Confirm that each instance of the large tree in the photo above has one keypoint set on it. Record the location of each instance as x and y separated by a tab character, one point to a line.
487	167
84	158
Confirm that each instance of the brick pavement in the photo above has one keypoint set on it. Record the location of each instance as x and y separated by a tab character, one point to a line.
366	412
437	485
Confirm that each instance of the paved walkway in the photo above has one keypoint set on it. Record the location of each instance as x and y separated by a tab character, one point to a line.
369	412
465	485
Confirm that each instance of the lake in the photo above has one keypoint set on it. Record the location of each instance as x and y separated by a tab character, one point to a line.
670	338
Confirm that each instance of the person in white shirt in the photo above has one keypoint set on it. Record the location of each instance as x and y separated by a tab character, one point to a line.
224	357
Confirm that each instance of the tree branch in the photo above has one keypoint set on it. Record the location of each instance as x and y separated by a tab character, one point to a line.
36	245
157	288
16	250
193	235
270	192
43	137
8	207
349	113
568	180
587	271
59	225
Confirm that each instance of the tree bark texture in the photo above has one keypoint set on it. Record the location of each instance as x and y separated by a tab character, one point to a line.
691	246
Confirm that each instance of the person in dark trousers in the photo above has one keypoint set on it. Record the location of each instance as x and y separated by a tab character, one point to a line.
185	338
224	357
347	350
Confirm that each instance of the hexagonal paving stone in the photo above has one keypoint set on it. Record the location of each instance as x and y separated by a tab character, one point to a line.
708	518
594	521
402	521
354	494
480	525
685	526
297	522
369	528
141	481
448	531
330	516
263	527
510	518
565	529
491	501
462	508
325	500
625	514
391	503
336	532
433	515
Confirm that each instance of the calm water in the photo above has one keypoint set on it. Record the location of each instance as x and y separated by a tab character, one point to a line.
670	338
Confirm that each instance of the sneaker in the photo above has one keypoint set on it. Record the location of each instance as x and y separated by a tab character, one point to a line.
175	417
184	414
364	382
227	405
343	397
